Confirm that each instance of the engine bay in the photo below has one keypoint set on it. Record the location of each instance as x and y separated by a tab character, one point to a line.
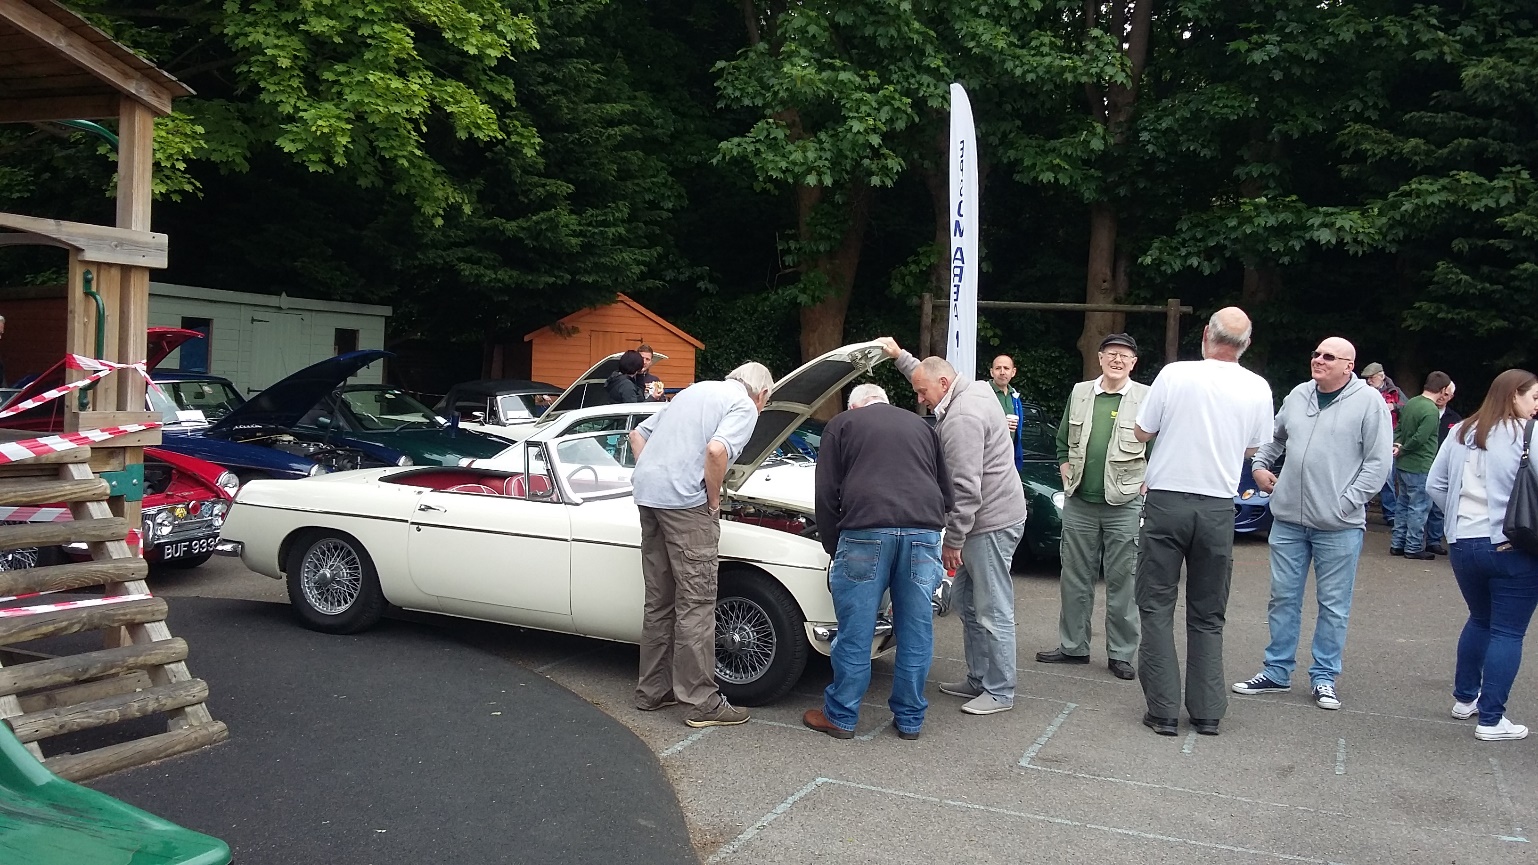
330	457
771	517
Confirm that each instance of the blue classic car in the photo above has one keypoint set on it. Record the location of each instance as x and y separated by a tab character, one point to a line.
1252	508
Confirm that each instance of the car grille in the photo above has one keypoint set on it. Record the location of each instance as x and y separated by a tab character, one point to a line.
186	521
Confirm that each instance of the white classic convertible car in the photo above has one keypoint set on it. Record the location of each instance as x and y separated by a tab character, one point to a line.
553	544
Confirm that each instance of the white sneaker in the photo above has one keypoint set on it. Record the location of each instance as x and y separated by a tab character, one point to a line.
987	704
1500	732
1465	711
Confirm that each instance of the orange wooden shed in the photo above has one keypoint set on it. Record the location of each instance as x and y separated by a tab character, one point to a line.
565	350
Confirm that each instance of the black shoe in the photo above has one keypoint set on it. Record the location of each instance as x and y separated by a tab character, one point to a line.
1121	669
1395	551
1057	656
1205	726
901	735
1162	726
1437	549
1423	555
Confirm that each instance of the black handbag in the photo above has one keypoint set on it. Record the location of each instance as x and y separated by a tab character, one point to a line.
1521	522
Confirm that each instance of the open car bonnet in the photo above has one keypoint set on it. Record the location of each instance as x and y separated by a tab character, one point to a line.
160	342
284	403
795	397
588	389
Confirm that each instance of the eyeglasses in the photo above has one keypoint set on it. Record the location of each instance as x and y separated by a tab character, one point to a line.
1329	358
1116	355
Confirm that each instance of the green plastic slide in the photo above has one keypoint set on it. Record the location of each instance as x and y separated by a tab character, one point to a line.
45	820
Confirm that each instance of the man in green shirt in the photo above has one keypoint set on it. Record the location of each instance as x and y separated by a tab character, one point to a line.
1001	374
1102	464
1415	446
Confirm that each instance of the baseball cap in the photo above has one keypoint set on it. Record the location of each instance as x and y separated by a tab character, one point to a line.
1119	339
1371	369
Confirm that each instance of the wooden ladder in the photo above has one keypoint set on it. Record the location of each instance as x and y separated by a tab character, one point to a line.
140	671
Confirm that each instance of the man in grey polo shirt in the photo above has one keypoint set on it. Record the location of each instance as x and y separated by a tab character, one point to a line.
682	453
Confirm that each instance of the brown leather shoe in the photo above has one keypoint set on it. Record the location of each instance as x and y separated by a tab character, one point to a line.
815	719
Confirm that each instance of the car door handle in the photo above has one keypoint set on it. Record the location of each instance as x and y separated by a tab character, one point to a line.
426	507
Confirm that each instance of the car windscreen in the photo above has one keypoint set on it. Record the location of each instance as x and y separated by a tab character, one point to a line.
516	408
595	464
387	409
1038	437
214	399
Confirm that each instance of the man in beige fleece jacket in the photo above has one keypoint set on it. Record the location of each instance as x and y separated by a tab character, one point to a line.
983	527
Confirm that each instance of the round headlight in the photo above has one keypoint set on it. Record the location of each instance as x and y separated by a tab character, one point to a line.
229	483
164	518
404	461
317	469
1058	498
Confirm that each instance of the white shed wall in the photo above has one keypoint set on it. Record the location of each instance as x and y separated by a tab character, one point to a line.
253	363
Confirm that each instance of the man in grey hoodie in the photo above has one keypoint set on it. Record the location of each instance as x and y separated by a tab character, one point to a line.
1338	441
983	526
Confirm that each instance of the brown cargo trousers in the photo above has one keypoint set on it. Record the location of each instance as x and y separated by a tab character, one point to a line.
679	562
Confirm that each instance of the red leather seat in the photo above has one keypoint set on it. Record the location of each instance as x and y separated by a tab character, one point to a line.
479	489
516	487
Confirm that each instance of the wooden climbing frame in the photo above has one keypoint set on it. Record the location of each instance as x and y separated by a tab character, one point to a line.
54	66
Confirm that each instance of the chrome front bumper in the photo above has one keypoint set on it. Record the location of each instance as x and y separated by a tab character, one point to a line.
228	548
825	632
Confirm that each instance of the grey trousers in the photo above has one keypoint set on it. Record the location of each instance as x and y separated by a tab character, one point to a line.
1099	540
1198	530
985	603
679	561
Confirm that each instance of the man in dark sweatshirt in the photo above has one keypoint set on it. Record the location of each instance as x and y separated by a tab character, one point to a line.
882	495
1415	446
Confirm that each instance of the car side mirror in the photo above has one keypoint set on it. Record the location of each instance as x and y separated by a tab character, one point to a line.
323	421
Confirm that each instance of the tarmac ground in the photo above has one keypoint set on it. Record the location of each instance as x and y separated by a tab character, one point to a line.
1071	772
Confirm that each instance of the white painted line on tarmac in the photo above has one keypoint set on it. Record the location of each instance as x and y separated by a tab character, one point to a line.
1190	744
1041	740
1511	810
735	844
674	749
1340	758
1276	702
781	809
1149	785
876	730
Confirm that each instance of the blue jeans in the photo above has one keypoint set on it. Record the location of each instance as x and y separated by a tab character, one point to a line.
1410	513
985	603
867	564
1435	526
1386	498
1334	555
1501	589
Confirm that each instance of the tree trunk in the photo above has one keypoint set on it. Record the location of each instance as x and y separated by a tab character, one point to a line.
1262	285
822	323
1101	285
938	181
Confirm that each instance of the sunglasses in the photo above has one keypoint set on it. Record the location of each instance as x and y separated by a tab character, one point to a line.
1329	358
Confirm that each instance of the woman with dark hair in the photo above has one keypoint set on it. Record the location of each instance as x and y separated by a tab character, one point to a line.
1471	480
621	385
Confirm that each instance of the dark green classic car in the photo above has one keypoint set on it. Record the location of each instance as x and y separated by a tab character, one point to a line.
1043	486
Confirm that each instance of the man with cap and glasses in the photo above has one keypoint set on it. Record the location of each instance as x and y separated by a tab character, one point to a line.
1102	464
1335	432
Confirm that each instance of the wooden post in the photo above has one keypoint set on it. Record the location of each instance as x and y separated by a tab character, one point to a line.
926	323
1172	330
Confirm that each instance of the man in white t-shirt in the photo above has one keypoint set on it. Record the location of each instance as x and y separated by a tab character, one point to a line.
1208	416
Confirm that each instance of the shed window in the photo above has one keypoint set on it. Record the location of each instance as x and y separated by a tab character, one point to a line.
346	340
194	352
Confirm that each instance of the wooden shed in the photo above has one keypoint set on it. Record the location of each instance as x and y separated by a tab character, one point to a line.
565	350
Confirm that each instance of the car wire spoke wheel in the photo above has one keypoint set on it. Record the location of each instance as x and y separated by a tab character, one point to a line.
17	560
331	576
745	644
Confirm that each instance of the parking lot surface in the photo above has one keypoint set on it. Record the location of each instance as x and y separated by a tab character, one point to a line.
1071	772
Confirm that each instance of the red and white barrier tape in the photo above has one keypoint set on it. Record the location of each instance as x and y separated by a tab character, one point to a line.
12	452
12	612
33	514
99	369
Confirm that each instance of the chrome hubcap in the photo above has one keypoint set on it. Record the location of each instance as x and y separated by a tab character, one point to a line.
745	644
331	577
